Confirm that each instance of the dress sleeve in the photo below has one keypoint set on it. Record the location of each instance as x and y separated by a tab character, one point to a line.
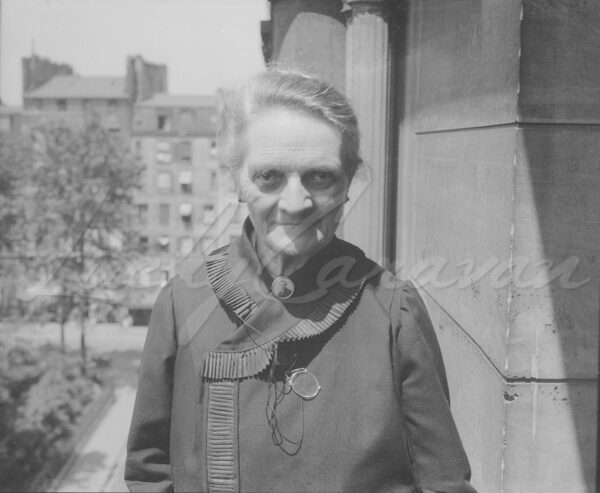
438	459
148	467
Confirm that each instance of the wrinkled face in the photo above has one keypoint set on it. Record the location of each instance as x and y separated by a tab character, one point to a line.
293	181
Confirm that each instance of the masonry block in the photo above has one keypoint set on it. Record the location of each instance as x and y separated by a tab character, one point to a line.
467	63
554	312
461	228
559	70
520	436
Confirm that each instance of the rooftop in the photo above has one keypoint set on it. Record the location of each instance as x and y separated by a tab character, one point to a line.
164	100
76	87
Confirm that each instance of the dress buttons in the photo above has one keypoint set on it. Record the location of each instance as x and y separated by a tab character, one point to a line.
282	288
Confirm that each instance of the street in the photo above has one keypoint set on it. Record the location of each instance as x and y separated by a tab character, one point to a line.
100	338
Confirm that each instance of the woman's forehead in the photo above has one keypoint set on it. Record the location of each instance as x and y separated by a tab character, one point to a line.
284	122
296	134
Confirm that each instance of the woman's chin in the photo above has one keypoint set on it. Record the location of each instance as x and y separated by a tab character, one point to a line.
297	247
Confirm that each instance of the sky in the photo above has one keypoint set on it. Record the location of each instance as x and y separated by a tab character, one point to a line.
204	43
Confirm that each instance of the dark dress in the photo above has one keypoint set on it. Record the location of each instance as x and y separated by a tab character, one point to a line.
214	412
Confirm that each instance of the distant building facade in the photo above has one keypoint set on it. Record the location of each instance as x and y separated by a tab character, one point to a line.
81	101
186	206
53	93
144	79
37	71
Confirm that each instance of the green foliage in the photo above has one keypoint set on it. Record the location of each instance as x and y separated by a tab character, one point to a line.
43	395
80	229
10	186
12	183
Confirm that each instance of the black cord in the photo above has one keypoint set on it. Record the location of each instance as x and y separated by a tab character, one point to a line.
276	393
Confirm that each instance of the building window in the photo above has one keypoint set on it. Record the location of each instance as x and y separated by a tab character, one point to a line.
143	243
163	182
213	149
186	245
163	123
183	151
185	211
143	213
209	213
163	214
185	181
163	243
111	122
163	152
61	104
185	122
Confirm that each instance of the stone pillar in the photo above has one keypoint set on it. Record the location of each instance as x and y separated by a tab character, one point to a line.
368	72
309	35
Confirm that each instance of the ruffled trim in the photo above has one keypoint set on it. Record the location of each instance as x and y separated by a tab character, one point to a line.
221	450
238	365
234	365
225	285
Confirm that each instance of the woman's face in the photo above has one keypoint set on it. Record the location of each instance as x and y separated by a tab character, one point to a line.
293	181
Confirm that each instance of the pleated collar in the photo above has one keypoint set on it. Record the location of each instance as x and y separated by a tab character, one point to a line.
326	287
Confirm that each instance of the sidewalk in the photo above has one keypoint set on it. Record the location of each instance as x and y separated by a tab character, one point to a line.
99	465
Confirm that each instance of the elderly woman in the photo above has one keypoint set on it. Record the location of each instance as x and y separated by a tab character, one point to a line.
290	361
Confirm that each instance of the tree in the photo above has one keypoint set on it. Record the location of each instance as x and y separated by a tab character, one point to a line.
80	228
11	205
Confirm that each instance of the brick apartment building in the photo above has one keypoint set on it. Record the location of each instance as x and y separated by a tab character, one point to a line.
186	204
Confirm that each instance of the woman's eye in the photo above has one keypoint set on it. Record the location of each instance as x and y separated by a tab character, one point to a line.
267	178
319	179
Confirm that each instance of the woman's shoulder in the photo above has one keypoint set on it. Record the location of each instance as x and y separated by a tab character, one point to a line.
185	289
408	314
398	296
383	282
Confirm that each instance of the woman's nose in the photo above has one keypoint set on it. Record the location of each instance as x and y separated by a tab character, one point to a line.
295	198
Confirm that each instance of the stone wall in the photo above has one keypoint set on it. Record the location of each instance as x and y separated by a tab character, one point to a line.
499	193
